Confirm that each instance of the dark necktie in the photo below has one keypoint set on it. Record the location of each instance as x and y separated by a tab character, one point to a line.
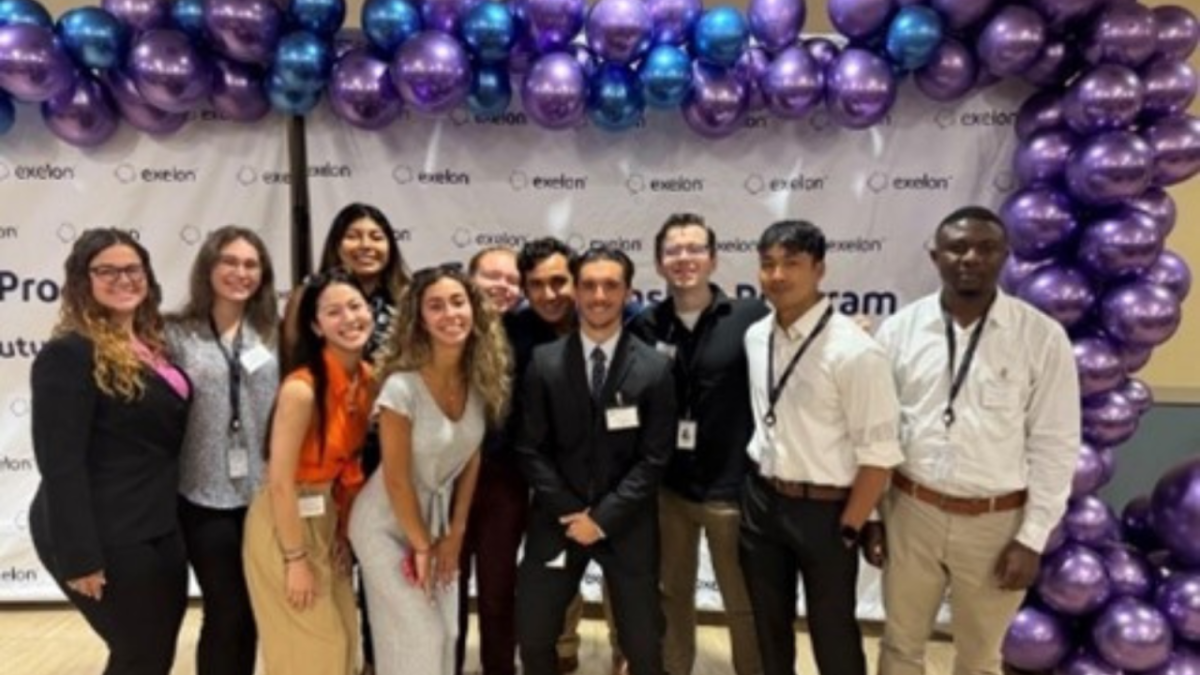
598	372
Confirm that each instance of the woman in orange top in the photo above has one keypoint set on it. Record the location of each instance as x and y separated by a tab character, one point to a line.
295	552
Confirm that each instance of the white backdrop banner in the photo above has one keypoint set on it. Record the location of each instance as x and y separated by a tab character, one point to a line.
454	185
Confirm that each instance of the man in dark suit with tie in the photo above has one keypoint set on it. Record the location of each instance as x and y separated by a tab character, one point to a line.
597	432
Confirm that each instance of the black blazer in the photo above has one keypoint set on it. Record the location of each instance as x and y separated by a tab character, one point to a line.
110	468
570	458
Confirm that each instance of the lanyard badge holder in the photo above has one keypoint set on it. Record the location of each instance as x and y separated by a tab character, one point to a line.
238	455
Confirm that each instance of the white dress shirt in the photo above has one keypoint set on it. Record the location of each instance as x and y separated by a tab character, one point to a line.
837	411
609	347
1016	421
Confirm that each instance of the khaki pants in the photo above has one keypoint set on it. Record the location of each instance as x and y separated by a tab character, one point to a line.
931	552
680	523
321	640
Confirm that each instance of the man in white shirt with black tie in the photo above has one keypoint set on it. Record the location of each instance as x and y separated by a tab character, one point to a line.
989	402
825	439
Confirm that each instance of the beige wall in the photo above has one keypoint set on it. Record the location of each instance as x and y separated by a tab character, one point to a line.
1175	370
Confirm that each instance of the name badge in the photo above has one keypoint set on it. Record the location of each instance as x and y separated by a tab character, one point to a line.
685	436
255	358
239	462
624	417
312	506
665	348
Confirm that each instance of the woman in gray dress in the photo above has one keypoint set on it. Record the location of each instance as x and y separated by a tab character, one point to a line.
445	373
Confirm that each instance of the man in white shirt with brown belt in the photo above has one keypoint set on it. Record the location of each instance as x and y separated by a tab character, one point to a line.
825	439
989	402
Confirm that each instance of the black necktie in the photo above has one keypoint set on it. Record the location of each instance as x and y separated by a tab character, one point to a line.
598	371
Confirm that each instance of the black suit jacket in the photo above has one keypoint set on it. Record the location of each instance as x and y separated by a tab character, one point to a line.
110	468
573	461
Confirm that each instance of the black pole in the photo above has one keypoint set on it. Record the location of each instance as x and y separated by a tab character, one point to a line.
301	210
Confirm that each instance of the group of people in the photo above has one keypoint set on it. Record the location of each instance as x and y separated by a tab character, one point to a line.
432	426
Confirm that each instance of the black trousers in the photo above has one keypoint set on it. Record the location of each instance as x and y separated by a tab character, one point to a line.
782	539
228	637
141	610
543	594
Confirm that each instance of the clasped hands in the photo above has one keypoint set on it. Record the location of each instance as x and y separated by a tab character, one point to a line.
581	529
435	567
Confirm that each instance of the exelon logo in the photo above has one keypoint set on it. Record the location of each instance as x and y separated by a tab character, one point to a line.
37	172
880	181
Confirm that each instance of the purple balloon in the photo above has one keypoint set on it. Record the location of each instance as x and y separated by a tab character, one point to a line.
861	88
776	24
1042	158
1016	270
1178	31
238	92
1158	205
587	60
824	50
1106	97
619	30
1176	145
1036	640
1055	539
34	66
962	13
1040	222
1183	661
1137	526
1041	112
858	19
1122	244
1012	40
555	91
717	103
1064	293
83	116
445	15
1133	635
1135	357
1170	86
1162	564
361	92
1179	600
140	115
1086	663
793	84
522	55
244	30
950	72
169	71
1088	520
553	23
1172	273
1073	580
1140	313
140	15
1056	63
1138	393
1059	13
1109	419
1123	33
1099	366
673	19
432	72
750	68
1109	168
1128	571
1090	473
1175	504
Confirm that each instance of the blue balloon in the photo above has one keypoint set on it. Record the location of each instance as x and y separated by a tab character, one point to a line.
615	101
913	36
720	36
290	100
666	75
489	31
302	62
491	90
323	17
14	12
8	113
188	16
388	23
93	37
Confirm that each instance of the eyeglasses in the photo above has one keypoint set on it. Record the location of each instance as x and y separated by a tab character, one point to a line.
691	250
111	274
234	262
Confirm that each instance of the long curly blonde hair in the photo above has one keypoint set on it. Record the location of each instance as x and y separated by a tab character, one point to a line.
486	361
118	370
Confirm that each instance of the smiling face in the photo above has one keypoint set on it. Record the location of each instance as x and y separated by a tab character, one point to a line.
118	279
969	255
602	294
237	274
790	280
364	249
446	313
686	261
497	276
551	290
343	318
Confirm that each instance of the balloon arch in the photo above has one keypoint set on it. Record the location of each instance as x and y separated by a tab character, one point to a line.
1106	132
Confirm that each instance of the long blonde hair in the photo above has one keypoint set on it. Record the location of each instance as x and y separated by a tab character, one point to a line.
486	361
118	370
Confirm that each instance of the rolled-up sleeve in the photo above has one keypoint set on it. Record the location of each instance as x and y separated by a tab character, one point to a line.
872	408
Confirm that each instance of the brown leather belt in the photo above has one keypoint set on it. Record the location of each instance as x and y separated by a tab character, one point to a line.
961	506
804	490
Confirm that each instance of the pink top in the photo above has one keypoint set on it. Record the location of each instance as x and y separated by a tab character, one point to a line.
174	377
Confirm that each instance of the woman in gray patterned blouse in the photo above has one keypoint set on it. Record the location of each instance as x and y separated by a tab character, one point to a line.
225	340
